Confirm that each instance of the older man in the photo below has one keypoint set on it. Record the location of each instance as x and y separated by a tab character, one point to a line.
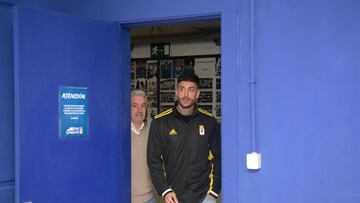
141	185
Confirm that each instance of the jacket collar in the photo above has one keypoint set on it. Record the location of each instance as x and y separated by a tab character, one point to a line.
182	117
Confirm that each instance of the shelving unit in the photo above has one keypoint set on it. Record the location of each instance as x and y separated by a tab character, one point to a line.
158	78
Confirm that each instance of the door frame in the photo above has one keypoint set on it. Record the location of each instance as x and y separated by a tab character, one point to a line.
229	77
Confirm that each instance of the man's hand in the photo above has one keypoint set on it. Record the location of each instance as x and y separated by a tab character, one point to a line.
171	198
209	199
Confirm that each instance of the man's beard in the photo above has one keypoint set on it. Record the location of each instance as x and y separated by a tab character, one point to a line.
186	106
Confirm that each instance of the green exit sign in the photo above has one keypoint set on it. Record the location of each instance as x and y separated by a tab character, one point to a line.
160	50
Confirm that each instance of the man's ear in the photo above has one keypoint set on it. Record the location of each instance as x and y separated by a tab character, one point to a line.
176	93
198	94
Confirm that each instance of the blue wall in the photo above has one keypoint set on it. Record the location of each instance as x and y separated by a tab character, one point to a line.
307	58
307	91
56	5
7	152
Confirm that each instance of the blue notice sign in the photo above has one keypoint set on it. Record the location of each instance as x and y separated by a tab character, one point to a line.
73	112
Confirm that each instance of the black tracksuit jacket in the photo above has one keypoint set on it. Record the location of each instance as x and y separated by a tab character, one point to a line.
183	155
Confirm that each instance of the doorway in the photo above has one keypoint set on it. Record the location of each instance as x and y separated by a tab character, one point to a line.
159	54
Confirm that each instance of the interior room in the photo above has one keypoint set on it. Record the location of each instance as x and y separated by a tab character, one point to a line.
159	54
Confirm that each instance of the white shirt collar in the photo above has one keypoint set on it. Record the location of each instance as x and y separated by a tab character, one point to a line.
135	130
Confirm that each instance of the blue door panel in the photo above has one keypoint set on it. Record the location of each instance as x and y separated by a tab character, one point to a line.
7	152
52	50
7	194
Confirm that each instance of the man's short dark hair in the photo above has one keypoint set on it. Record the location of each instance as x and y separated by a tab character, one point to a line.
189	76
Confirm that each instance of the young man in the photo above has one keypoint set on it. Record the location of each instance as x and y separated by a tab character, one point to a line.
141	185
184	149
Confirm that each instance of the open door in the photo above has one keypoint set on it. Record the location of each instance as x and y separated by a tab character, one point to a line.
57	53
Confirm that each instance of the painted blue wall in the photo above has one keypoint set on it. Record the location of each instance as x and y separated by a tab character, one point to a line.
56	5
307	59
307	91
7	152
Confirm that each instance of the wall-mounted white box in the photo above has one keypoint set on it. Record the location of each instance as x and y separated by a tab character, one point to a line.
253	161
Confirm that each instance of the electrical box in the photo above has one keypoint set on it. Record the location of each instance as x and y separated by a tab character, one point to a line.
253	161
